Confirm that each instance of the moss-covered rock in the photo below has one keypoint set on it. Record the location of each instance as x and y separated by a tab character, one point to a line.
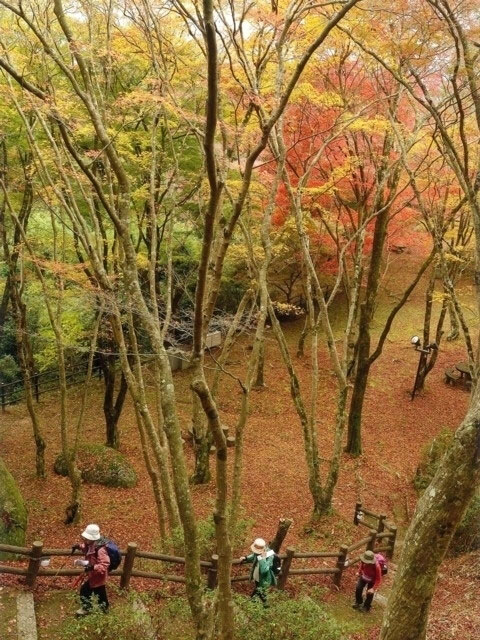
100	465
13	514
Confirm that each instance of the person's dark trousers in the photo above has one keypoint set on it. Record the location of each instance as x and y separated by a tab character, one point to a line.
361	585
86	593
259	592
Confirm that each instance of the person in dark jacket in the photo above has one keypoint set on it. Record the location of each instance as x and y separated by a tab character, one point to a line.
261	573
96	565
369	578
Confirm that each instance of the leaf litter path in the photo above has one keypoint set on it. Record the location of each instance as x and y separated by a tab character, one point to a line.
275	478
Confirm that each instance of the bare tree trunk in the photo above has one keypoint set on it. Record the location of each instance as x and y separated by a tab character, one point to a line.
220	517
112	408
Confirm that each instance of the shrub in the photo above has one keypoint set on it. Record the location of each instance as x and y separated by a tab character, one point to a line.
302	618
467	536
100	465
9	369
431	456
289	619
128	620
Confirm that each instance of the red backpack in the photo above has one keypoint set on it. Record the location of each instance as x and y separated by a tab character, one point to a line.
382	562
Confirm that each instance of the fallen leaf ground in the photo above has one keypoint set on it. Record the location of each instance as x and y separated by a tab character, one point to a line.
275	480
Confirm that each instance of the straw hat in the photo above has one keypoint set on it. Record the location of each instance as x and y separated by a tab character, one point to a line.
258	546
368	557
92	532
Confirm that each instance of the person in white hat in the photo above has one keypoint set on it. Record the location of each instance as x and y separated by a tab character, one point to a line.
96	564
262	573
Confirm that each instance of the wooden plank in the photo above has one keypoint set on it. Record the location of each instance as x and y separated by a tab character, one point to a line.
157	576
360	543
9	548
166	558
317	554
313	571
16	571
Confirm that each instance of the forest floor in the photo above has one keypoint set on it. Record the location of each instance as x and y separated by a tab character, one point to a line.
395	432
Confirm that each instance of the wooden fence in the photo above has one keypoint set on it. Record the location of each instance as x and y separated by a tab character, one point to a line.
45	381
379	539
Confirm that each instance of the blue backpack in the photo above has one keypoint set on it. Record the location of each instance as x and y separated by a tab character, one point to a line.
113	553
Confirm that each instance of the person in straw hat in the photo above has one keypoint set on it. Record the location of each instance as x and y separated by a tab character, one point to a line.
369	578
96	565
262	573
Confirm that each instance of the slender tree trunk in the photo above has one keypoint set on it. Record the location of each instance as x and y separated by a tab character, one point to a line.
112	408
354	438
220	518
25	355
154	477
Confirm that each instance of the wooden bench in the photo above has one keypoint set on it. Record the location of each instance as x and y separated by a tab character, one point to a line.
452	376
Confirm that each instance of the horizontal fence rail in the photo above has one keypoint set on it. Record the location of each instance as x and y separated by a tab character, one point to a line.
377	540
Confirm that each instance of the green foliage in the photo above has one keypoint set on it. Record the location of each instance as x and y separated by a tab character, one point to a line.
125	621
9	369
206	536
467	535
99	464
302	618
431	456
13	514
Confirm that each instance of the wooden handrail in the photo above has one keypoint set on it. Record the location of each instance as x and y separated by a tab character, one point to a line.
360	543
36	552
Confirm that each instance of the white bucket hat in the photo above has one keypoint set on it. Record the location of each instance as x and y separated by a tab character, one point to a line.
258	546
92	532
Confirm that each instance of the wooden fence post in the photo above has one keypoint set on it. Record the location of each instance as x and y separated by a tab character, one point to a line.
373	539
282	579
393	539
282	530
128	565
381	523
34	563
358	508
342	558
212	572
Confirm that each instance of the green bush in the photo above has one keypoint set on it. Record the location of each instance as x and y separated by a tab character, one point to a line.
125	621
431	456
9	369
302	618
467	536
100	465
13	514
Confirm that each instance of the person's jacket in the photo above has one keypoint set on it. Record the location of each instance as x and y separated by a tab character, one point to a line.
372	573
261	571
98	559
